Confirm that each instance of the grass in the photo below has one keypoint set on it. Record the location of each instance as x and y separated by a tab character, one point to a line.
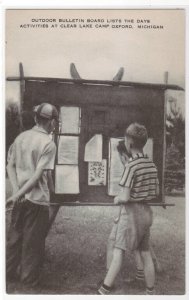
76	248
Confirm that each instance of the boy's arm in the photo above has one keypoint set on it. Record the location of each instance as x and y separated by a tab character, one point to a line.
11	170
126	183
27	186
50	181
46	162
123	196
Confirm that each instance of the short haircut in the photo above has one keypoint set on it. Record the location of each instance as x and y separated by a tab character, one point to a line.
42	120
138	133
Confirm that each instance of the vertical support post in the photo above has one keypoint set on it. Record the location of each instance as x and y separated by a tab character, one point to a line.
164	146
166	77
22	91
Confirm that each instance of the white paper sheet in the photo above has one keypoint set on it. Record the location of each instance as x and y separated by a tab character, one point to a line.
97	173
93	149
68	149
148	148
70	120
115	167
66	179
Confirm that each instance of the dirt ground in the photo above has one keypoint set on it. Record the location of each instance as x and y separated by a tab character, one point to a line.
76	247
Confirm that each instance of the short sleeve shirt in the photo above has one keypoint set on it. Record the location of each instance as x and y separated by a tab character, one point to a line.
31	150
141	176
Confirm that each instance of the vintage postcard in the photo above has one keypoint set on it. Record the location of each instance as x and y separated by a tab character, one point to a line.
95	140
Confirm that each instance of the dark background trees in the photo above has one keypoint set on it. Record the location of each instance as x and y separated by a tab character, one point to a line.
175	152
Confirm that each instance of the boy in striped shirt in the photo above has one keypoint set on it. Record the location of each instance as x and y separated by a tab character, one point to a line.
132	229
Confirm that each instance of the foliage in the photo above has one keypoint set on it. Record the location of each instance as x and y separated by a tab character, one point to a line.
175	156
176	130
174	170
12	123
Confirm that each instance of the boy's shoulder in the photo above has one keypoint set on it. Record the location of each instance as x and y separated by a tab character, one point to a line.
22	135
37	137
139	162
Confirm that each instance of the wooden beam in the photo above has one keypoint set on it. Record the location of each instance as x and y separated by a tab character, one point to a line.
166	77
119	75
98	82
103	204
73	71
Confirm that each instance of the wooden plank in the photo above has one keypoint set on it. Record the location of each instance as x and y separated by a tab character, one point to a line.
164	148
166	77
103	204
119	74
22	90
73	71
99	82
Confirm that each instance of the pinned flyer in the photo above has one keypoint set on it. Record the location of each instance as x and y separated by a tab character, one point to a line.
148	148
97	173
93	149
116	168
70	119
68	149
66	179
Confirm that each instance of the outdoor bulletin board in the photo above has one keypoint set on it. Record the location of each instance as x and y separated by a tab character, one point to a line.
93	116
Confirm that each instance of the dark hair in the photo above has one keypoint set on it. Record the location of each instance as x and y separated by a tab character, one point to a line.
138	133
41	120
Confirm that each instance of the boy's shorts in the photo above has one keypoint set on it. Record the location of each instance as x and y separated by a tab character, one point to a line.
132	231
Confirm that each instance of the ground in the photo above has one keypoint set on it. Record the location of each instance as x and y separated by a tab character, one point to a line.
76	247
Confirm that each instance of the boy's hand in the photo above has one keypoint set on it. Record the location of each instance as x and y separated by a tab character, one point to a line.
11	200
124	158
117	200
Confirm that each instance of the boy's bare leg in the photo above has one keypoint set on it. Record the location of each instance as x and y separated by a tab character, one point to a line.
138	260
157	264
109	255
139	276
114	267
149	271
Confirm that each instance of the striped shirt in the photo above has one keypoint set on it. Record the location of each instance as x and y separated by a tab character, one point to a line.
141	176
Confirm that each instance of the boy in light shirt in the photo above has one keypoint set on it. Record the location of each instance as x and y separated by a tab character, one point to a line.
32	156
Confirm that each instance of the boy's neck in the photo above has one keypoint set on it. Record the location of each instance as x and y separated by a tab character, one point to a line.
42	127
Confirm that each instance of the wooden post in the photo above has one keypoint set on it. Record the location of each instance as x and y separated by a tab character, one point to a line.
166	77
22	91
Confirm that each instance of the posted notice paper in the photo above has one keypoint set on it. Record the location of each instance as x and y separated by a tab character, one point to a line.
68	150
66	179
148	148
97	172
93	149
70	119
116	167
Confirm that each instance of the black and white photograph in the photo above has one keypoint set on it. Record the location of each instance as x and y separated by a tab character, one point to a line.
95	151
